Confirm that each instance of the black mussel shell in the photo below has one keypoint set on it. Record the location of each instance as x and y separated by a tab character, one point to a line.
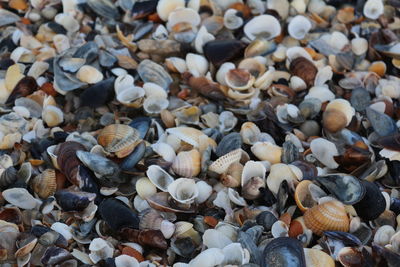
266	219
87	180
128	165
73	200
290	152
56	27
395	205
284	251
282	196
184	247
372	204
221	51
88	51
383	124
266	197
104	8
118	215
363	233
309	170
347	188
143	9
391	142
389	258
55	255
5	63
230	142
142	124
98	94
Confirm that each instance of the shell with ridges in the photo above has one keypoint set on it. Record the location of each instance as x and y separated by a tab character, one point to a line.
45	184
187	163
120	139
222	164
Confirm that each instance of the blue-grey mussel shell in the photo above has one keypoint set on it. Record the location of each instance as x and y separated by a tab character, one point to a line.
284	251
98	94
383	124
229	143
346	188
55	255
128	165
142	124
73	200
118	215
373	203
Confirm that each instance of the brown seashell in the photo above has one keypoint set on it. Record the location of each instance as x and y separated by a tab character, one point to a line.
391	142
167	118
296	227
328	216
346	15
24	87
205	87
120	139
334	120
68	161
45	184
133	253
187	163
152	238
234	175
12	215
379	67
304	69
18	4
303	197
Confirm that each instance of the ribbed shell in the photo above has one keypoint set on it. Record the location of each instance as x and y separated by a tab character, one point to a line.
45	184
187	163
119	139
328	216
222	164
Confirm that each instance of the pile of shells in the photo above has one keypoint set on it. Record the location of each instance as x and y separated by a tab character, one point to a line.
199	133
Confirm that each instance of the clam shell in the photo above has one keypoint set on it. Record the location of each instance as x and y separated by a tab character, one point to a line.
252	169
260	47
373	9
45	184
239	79
255	28
299	26
183	190
267	151
231	19
21	198
160	178
165	7
187	163
222	164
328	216
283	251
275	177
250	133
89	74
119	139
344	106
189	135
324	151
230	142
145	188
316	258
52	116
150	71
305	69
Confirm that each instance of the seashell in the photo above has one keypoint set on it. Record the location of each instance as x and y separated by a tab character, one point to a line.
303	195
145	188
216	51
52	116
89	74
252	169
383	125
230	142
119	139
298	27
383	235
150	71
125	260
253	65
54	255
328	216
214	239
222	164
239	79
275	178
160	178
250	133
379	67
304	69
373	9
236	198
70	200
231	19
164	150
187	115
202	37
205	191
154	90
359	46
233	176
196	64
251	189
61	42
294	52
320	92
21	198
189	135
131	97
100	249
7	17
183	190
118	215
187	163
267	151
315	257
45	184
176	64
183	16
323	75
98	94
155	105
325	156
372	198
255	28
283	251
208	257
165	7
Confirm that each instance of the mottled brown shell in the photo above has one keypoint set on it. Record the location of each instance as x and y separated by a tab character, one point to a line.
328	216
68	161
304	69
45	184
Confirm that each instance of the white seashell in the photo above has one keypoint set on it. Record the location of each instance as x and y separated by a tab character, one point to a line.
22	111
208	258
159	177
323	75
154	90
279	229
275	177
81	256
126	261
359	46
140	204
373	9
395	242
235	254
222	71
297	83
383	235
67	21
236	198
299	5
183	15
38	68
299	26
280	6
18	53
21	198
263	26
280	54
123	82
297	51
227	121
89	74
252	169
183	190
61	42
154	105
250	133
222	201
164	150
145	188
71	64
130	94
161	33
100	249
202	37
321	92
336	40
63	229
215	239
196	64
205	191
176	64
119	71
108	191
264	81
231	20
165	7
316	6
52	116
324	151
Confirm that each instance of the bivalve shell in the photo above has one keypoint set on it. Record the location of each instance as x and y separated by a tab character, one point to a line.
45	184
120	139
222	164
262	26
187	163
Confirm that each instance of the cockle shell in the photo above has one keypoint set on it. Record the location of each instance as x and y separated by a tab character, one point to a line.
120	139
328	216
303	196
145	188
222	164
187	163
45	184
190	135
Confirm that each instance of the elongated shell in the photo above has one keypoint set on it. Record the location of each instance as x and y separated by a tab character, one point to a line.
45	184
328	216
267	151
222	164
187	163
160	178
119	139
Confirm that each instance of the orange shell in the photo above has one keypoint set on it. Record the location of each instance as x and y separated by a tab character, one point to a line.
328	216
303	197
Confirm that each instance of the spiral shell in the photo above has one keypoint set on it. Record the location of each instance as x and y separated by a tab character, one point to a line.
187	163
119	139
328	216
45	184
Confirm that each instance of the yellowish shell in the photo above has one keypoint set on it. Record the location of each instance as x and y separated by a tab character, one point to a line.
119	139
303	197
267	151
222	164
318	258
328	216
187	163
45	184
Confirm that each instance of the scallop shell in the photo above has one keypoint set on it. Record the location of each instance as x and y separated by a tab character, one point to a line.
267	151
45	184
119	139
299	26
187	163
328	216
222	164
257	27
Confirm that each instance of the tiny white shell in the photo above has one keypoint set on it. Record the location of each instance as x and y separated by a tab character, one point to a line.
231	20
165	7
202	37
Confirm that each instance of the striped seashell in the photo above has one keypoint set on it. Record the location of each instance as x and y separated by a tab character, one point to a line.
45	184
328	216
187	163
222	164
119	139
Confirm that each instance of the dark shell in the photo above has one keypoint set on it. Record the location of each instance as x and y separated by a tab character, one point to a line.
284	251
101	166
309	170
383	124
290	152
128	165
206	87
98	94
142	124
346	238
149	71
221	51
360	99
230	142
245	239
346	188
151	238
68	161
88	51
143	9
24	87
282	196
391	142
12	215
87	180
372	204
389	258
55	255
160	201
184	247
363	233
104	8
73	200
118	215
266	197
304	68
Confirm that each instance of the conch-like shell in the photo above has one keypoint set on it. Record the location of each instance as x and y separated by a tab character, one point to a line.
187	163
328	216
183	190
263	26
299	26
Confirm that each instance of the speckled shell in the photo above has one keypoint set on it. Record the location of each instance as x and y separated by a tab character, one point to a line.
119	139
187	163
328	216
222	163
45	184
